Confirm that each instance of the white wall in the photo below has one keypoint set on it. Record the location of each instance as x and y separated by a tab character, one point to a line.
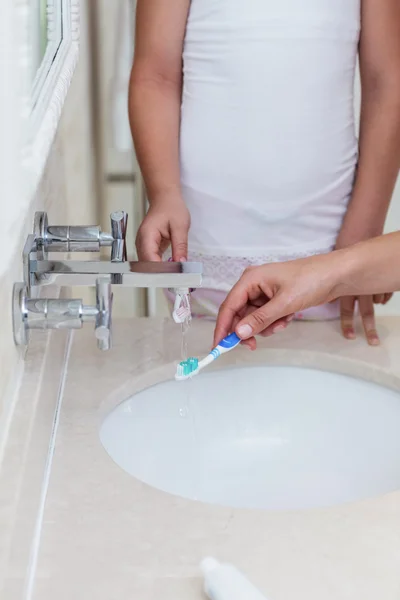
121	185
13	195
66	189
12	192
76	133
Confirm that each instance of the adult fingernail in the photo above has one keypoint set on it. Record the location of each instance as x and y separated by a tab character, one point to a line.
278	328
374	341
245	331
182	260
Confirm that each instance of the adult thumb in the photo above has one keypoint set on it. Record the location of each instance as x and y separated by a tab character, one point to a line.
179	241
260	319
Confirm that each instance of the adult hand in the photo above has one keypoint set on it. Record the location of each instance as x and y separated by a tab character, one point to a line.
265	298
166	223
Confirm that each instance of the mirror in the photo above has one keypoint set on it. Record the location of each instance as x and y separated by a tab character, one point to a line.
39	34
49	51
46	37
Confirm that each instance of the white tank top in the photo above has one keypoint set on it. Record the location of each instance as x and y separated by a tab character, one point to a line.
268	143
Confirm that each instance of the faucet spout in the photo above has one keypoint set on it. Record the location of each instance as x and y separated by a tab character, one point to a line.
130	273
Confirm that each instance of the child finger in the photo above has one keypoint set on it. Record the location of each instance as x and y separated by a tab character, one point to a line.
347	306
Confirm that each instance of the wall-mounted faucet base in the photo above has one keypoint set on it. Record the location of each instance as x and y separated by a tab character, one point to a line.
54	313
42	267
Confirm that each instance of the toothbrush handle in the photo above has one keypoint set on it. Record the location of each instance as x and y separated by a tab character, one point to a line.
207	360
227	344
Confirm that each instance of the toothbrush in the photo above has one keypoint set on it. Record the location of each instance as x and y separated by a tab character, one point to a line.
192	366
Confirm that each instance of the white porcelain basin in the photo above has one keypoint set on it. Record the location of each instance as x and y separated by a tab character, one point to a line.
261	437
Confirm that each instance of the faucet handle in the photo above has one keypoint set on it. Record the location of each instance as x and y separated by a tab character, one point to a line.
82	238
104	298
54	313
119	222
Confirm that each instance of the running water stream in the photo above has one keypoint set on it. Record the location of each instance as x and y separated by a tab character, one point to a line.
185	329
187	410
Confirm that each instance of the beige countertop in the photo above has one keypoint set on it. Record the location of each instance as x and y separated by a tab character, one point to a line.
75	526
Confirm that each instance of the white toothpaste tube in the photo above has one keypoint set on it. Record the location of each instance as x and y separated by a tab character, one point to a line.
225	582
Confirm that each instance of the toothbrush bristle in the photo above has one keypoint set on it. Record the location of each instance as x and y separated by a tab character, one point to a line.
187	367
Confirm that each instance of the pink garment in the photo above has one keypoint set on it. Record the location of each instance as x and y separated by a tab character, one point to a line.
205	304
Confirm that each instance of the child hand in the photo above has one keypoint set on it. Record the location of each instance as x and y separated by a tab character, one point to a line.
365	303
367	313
165	224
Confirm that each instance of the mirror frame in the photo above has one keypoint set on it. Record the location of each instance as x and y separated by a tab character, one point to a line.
45	100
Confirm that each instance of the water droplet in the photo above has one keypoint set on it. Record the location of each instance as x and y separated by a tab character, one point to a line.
184	412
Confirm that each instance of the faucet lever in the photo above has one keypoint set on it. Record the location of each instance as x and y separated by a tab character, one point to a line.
81	238
56	313
119	222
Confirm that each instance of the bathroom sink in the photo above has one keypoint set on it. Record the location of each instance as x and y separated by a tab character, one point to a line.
261	437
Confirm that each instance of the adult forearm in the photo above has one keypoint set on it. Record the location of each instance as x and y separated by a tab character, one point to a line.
154	111
367	268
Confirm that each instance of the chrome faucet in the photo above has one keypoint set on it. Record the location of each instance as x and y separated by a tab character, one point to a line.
43	267
43	313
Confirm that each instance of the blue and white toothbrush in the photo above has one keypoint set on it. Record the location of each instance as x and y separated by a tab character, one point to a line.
192	366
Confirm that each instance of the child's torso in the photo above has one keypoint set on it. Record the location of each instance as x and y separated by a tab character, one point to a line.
268	147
